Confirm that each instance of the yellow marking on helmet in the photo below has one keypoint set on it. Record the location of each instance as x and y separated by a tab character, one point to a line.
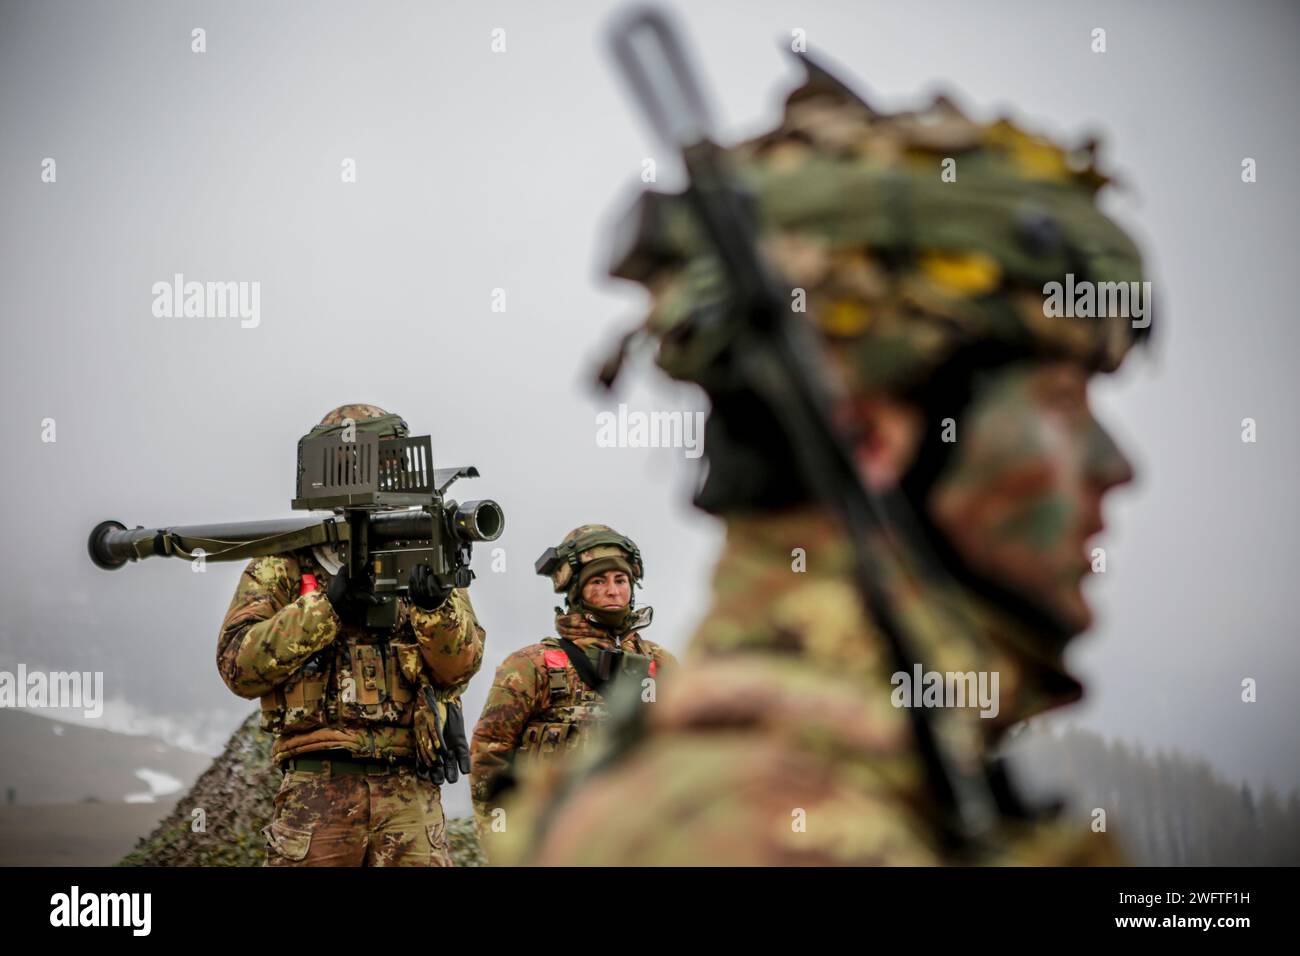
844	317
962	274
1034	157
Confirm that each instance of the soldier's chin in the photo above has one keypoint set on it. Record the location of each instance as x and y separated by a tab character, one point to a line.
1060	610
1078	615
1069	610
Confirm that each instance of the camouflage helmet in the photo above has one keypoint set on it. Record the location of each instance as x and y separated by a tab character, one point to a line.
588	550
909	236
355	411
375	419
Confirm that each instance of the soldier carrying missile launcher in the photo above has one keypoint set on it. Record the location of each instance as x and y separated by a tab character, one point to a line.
357	634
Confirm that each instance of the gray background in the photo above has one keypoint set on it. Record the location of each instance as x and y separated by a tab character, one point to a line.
479	170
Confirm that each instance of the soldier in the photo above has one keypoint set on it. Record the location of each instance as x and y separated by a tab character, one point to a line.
547	697
367	724
964	395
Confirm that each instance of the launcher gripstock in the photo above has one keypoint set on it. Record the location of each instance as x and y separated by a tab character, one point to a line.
391	514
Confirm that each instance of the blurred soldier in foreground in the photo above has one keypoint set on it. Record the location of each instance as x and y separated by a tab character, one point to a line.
356	712
548	698
963	398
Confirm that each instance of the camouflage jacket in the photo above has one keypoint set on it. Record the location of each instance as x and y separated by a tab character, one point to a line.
328	685
540	707
779	744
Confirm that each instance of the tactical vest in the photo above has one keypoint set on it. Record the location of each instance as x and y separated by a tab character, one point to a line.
574	710
363	680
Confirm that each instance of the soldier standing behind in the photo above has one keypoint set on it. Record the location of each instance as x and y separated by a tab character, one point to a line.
547	698
352	708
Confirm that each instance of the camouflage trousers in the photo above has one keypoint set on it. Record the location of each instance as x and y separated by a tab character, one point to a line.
335	819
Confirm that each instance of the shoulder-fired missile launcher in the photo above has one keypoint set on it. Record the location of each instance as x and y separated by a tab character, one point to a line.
390	514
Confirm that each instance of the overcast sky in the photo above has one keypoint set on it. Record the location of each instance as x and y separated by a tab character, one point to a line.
479	171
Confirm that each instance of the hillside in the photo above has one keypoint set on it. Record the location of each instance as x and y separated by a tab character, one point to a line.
235	794
44	761
73	795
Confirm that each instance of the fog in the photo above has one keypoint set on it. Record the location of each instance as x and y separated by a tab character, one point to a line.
479	171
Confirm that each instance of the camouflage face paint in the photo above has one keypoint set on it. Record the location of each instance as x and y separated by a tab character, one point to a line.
612	589
1021	495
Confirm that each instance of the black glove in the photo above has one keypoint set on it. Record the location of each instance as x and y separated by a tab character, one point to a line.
349	604
444	724
456	741
425	591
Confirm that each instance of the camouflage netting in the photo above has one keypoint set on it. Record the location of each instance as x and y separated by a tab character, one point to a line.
901	265
235	794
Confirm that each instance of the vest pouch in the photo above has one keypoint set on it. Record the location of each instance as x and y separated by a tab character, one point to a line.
531	739
635	668
557	738
628	682
368	673
363	684
273	711
546	738
302	702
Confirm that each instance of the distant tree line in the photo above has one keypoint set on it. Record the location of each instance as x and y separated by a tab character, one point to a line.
1164	808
